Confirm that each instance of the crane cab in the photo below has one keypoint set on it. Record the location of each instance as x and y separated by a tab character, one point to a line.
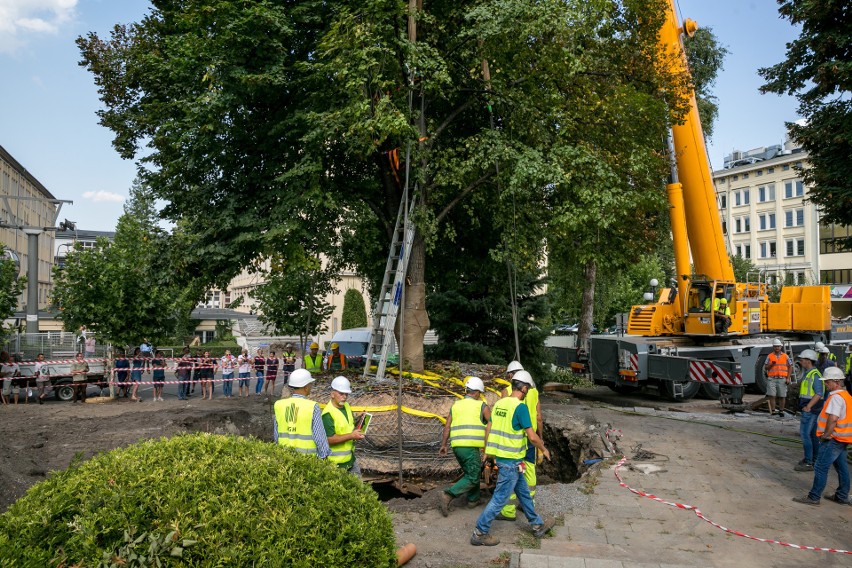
711	308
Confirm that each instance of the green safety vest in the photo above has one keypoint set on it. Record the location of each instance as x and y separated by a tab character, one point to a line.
344	423
806	389
848	362
313	364
294	417
531	400
467	429
716	303
503	440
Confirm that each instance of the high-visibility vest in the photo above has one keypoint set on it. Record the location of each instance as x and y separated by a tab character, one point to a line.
806	388
503	440
313	363
716	303
843	428
339	365
344	423
779	365
531	400
294	417
848	363
467	429
831	356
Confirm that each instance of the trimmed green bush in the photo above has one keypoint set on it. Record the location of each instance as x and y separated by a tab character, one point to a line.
354	310
198	500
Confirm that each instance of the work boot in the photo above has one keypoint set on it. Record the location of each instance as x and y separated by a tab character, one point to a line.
806	501
541	530
480	539
446	498
804	467
833	497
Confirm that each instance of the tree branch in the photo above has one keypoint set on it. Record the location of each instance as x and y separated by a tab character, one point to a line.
447	121
440	216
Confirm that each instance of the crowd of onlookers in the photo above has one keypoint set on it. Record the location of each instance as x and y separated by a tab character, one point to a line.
195	371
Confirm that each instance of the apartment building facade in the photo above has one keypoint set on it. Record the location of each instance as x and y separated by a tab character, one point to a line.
769	220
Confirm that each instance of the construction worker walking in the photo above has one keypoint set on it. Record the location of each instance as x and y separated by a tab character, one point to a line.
531	400
297	421
465	429
339	426
834	428
506	439
313	360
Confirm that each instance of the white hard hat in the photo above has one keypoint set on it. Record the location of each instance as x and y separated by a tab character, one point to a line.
808	354
523	377
300	378
824	349
474	383
833	374
819	345
514	366
777	343
341	384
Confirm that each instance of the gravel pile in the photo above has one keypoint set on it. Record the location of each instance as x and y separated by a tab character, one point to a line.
559	499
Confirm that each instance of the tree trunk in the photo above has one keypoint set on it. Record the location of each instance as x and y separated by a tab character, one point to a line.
415	318
590	273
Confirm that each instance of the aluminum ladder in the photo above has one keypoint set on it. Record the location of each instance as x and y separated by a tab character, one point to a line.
390	295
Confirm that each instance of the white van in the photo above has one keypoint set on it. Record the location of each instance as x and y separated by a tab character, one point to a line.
354	344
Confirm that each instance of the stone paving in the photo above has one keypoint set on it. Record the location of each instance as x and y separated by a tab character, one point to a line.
742	479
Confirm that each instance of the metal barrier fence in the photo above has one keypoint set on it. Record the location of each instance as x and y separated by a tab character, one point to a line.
54	345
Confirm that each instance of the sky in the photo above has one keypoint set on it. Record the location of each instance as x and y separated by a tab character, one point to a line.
48	102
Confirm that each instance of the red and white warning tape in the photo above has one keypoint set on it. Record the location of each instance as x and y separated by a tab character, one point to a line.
701	516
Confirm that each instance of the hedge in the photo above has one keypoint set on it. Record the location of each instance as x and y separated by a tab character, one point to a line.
198	500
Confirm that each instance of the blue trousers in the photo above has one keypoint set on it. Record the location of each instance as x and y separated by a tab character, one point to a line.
227	384
509	480
807	431
831	453
259	386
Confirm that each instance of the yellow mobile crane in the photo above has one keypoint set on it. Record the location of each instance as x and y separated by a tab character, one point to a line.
676	343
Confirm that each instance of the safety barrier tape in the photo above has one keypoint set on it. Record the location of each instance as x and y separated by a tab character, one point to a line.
193	360
701	516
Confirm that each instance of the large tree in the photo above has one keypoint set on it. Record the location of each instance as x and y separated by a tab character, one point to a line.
256	114
11	286
818	72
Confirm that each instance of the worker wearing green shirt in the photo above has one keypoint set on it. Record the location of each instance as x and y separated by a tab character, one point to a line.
339	427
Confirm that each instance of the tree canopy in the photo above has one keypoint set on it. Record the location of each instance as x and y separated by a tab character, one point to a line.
285	130
11	286
818	71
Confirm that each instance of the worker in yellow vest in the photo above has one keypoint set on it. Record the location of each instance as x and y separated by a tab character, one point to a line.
313	360
339	427
834	428
297	421
506	440
532	401
465	430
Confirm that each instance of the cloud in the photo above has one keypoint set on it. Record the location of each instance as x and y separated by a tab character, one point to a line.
22	19
102	195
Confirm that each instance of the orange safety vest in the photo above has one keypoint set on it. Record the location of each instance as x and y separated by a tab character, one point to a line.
843	428
330	359
779	365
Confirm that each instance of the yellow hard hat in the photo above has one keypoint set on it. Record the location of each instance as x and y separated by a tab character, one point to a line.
314	345
334	345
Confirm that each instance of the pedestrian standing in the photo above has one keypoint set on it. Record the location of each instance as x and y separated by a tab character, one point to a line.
137	366
7	371
259	371
183	373
158	366
779	369
228	363
465	430
121	376
834	428
271	373
506	441
79	374
42	377
339	425
244	369
297	421
811	398
208	371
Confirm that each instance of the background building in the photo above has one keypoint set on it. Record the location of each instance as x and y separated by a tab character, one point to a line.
65	241
769	220
24	201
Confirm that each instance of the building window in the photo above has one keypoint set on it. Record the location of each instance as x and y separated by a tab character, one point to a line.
770	170
735	178
793	189
742	224
766	193
795	247
747	251
832	238
759	173
800	278
835	276
745	196
746	224
794	217
745	176
785	167
767	221
723	201
737	198
767	249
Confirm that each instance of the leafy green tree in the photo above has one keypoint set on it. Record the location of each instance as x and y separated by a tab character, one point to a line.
817	71
354	310
12	284
745	270
266	123
123	289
